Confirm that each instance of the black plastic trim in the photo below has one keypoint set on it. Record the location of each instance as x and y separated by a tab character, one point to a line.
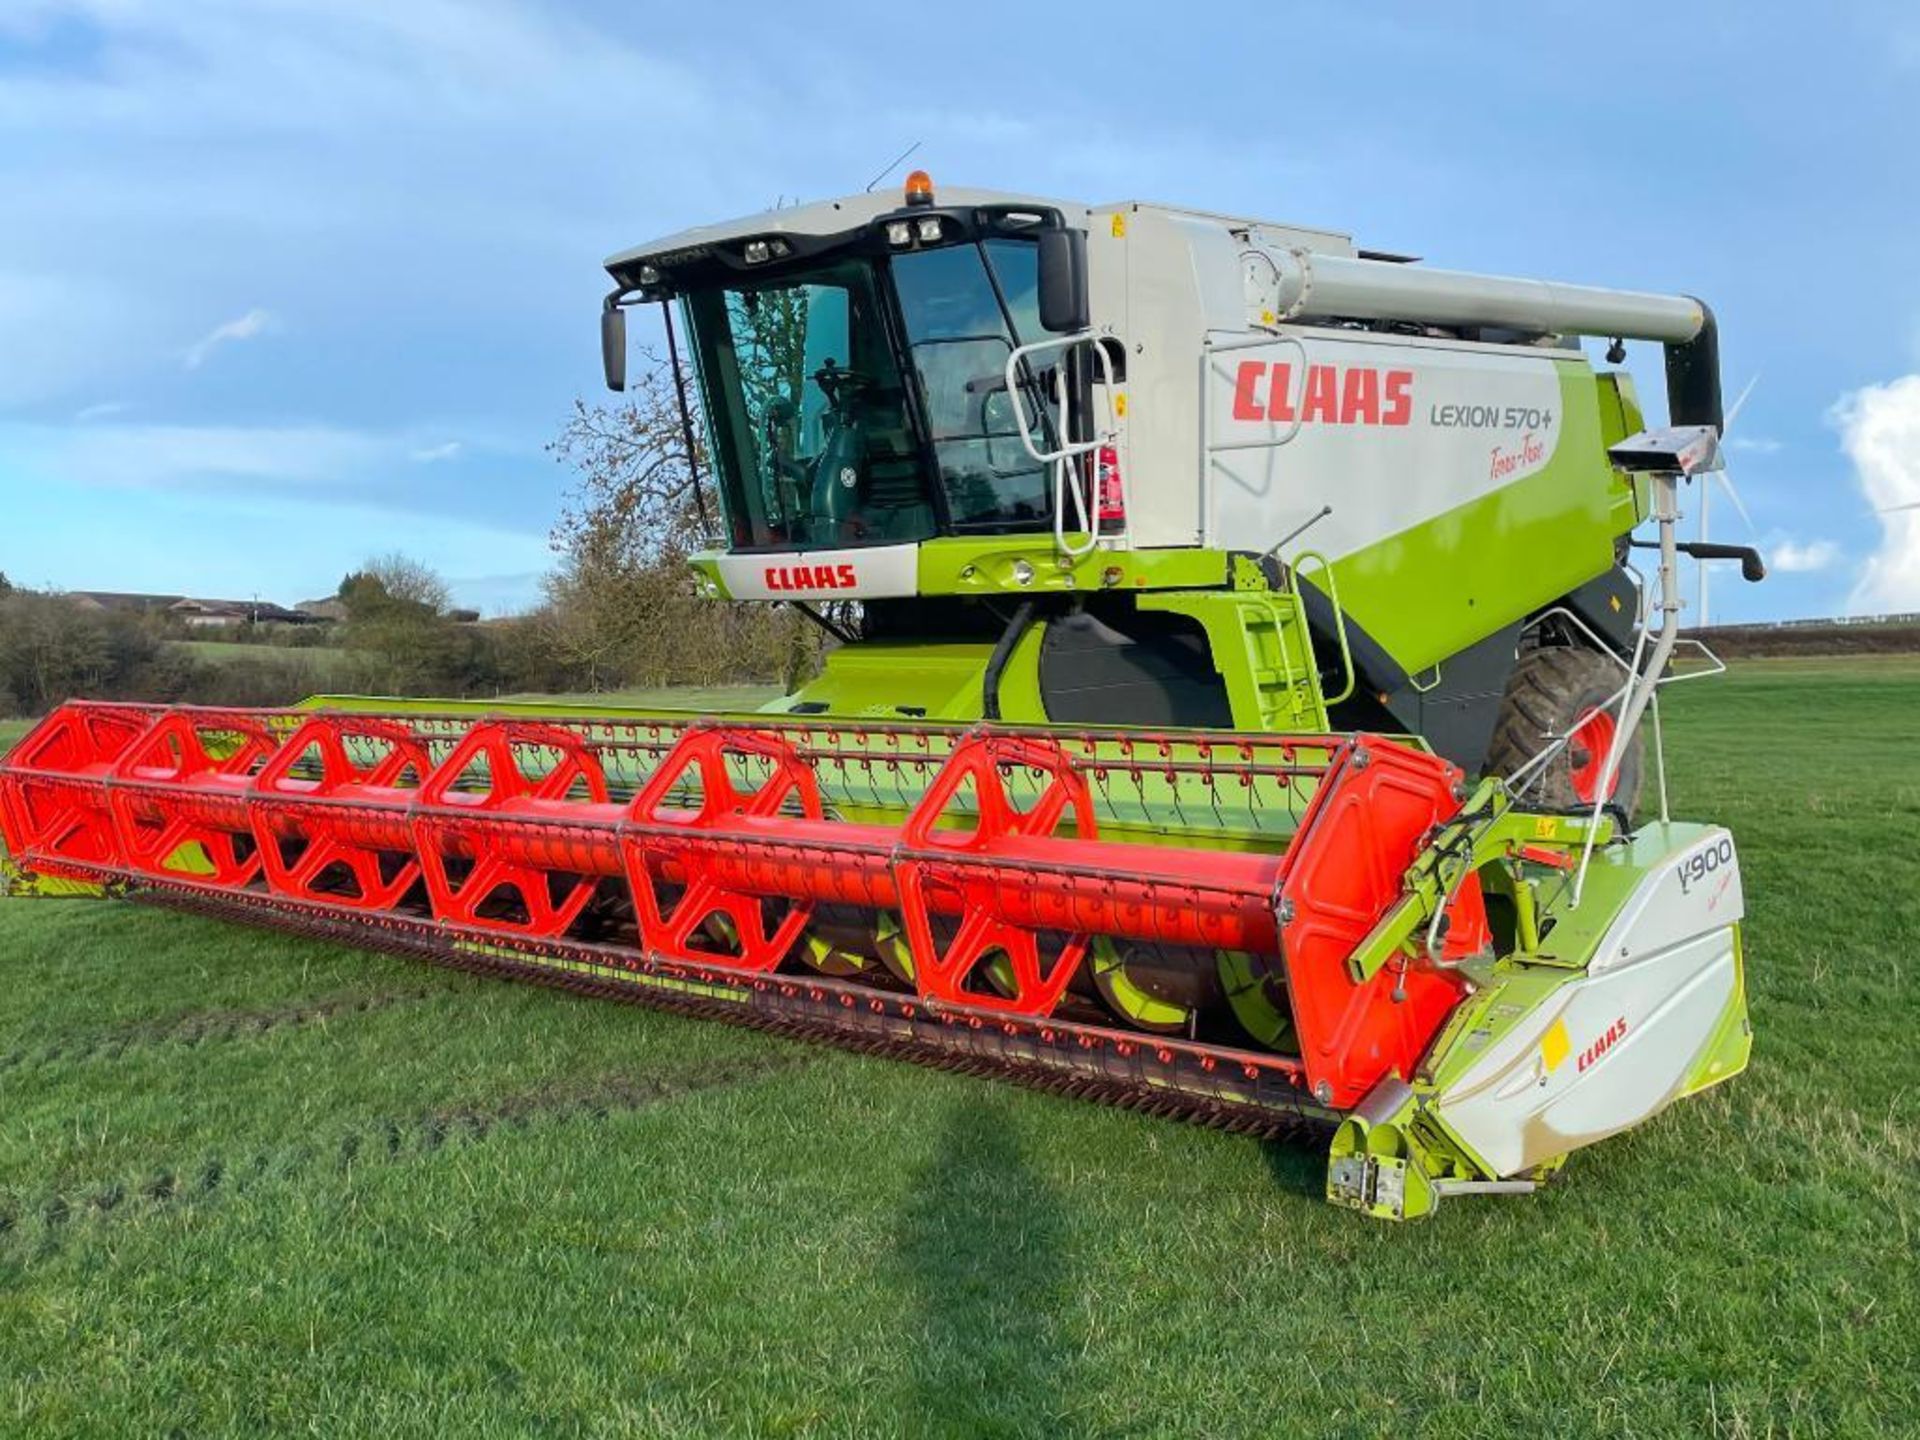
997	662
1693	375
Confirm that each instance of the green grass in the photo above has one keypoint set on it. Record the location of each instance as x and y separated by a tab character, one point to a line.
263	1185
323	659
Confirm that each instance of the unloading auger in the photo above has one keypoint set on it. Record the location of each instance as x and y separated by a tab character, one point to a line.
1125	835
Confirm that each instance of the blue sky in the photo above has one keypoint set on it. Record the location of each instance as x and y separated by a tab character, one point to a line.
288	283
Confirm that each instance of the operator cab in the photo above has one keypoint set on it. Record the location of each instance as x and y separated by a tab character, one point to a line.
853	367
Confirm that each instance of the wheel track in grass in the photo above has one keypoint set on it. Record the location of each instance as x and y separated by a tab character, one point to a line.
34	1227
203	1027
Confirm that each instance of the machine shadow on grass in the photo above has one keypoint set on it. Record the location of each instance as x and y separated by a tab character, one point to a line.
982	1249
1298	1165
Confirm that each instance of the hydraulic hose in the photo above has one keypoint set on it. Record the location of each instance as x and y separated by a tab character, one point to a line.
997	662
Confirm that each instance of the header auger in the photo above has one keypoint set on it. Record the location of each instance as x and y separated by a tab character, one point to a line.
1089	797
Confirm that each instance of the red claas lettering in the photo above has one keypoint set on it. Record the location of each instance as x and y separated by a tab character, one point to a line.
811	577
1332	394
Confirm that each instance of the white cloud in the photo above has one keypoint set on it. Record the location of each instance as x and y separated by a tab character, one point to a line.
1791	557
254	323
101	411
1880	431
1754	445
430	454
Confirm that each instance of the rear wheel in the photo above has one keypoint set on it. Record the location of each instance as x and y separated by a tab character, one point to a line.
1564	691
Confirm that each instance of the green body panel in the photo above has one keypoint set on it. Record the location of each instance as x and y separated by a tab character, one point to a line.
933	681
938	681
986	565
1620	417
989	565
1438	586
1726	1053
1262	650
1258	640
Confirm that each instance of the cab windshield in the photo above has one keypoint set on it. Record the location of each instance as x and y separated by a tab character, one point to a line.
827	421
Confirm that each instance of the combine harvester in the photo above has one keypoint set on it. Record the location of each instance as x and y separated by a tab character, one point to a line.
1241	717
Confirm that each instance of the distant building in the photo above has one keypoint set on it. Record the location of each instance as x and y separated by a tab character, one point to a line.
329	608
209	614
122	600
198	612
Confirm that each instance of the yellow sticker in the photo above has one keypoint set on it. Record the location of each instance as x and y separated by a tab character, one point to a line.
1119	225
1120	405
1545	827
1614	601
1555	1046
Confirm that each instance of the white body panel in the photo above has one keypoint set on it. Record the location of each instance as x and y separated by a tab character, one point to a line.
1610	1050
1388	431
1172	285
1162	281
860	574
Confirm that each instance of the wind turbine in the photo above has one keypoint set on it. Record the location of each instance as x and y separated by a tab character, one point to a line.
1725	477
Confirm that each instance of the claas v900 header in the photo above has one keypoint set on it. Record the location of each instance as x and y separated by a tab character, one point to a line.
1240	712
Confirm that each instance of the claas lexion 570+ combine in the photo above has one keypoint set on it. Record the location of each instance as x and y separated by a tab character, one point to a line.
1239	714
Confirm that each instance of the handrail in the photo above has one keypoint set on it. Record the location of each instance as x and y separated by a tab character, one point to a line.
1068	450
1339	620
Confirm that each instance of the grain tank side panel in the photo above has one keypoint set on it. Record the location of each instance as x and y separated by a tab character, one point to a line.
1467	483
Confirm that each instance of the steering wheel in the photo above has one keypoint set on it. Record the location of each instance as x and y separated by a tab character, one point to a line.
841	385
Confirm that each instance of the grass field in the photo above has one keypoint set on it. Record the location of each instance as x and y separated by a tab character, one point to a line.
253	1184
324	659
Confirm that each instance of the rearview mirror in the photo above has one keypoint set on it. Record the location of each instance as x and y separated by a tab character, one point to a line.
1063	281
613	346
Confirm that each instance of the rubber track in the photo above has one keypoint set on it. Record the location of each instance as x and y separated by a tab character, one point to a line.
1153	1093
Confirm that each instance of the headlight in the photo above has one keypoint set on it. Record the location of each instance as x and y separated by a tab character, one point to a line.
756	252
899	232
929	229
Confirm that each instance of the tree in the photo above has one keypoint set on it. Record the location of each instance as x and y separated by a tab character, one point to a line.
634	515
393	583
396	618
636	501
622	609
51	649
